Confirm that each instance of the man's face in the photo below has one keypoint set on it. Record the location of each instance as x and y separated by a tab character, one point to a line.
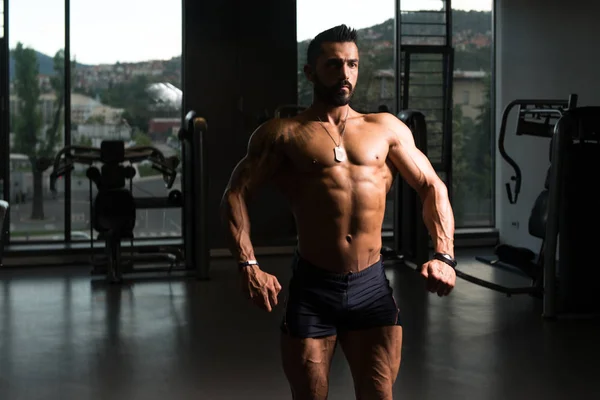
335	74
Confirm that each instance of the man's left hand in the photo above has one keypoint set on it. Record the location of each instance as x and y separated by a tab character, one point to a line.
440	277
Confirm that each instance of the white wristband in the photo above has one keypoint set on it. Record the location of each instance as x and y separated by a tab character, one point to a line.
247	263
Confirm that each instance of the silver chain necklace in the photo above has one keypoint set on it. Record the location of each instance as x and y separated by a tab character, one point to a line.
338	151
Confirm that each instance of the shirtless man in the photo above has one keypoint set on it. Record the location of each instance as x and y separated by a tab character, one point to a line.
335	166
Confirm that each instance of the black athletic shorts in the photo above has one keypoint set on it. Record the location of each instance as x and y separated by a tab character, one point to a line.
321	303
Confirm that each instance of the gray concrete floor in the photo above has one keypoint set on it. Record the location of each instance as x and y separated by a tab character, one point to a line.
64	338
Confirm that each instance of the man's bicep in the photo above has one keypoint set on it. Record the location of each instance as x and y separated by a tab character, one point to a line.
412	164
240	180
260	162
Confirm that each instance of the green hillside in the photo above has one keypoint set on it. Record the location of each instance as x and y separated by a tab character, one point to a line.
467	27
45	62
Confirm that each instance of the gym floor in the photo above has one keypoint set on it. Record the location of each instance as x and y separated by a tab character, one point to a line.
63	337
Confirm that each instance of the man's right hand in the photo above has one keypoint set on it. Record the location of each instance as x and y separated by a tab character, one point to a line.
260	287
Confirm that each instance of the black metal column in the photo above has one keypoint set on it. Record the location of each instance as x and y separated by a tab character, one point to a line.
398	55
67	137
195	195
448	118
5	117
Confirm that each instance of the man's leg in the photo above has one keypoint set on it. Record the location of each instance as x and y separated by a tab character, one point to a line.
371	335
309	331
374	356
306	363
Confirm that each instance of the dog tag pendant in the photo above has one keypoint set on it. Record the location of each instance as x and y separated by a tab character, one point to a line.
340	154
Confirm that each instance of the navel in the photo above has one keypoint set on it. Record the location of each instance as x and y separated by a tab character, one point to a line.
349	238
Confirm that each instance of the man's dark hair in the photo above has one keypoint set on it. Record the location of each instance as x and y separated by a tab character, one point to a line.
337	34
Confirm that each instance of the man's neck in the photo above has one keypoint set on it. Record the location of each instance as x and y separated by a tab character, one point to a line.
327	113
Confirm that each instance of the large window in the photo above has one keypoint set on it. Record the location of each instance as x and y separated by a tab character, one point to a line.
125	83
36	123
473	138
127	86
423	24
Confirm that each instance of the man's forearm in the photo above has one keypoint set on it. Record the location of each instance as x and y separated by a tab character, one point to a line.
234	214
438	217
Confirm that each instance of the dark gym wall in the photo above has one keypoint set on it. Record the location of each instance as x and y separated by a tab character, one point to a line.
541	54
240	59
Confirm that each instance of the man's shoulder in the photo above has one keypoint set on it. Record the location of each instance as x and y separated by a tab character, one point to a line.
382	118
268	132
386	122
278	127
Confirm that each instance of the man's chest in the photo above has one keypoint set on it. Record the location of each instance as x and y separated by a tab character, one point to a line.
317	148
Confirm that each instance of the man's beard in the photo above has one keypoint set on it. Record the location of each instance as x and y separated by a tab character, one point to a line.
333	95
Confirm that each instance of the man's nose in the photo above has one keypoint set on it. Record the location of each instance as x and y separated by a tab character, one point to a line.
345	72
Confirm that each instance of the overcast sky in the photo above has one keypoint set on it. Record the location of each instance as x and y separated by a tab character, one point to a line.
135	30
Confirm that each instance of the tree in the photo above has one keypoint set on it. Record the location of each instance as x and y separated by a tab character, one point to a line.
140	138
481	153
96	120
133	96
462	132
471	157
30	138
28	119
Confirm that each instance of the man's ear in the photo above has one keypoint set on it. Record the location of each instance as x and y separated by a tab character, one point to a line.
308	72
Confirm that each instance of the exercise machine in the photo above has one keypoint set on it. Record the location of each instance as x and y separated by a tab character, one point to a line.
563	273
534	118
571	274
113	209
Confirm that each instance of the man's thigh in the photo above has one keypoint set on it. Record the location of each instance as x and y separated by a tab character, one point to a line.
308	339
306	363
374	356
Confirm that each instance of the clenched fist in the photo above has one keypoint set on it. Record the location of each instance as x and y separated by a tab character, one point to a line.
260	287
440	277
